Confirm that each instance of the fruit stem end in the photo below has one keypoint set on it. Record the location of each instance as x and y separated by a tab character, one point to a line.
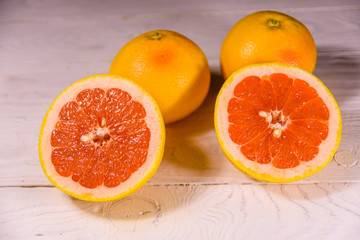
156	36
273	23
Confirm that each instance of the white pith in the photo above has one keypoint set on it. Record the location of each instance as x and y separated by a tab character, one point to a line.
277	127
100	132
153	120
326	149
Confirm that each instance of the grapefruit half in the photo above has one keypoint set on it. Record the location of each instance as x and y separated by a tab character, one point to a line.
276	122
102	138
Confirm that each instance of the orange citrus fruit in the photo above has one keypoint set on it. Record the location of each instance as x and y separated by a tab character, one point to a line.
277	122
171	67
267	36
102	138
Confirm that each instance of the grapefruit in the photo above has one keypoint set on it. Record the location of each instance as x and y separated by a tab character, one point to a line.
102	138
276	122
171	67
267	36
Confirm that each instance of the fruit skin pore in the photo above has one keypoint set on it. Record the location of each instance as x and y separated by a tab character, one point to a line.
267	36
171	67
267	177
87	196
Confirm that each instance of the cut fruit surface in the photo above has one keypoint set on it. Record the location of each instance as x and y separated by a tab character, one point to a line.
102	138
277	123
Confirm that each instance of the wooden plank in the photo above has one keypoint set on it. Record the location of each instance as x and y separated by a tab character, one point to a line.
311	211
339	71
83	8
55	39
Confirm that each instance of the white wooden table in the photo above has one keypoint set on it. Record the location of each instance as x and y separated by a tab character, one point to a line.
46	45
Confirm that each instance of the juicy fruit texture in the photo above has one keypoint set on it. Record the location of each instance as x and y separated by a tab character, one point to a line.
267	36
171	67
285	114
277	123
102	138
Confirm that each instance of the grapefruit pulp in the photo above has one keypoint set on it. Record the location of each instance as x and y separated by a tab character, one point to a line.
276	122
101	139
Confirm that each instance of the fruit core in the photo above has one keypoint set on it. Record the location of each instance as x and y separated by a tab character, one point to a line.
99	136
277	120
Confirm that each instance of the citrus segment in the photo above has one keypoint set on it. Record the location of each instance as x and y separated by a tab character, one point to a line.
252	151
277	122
101	139
300	93
286	157
313	109
248	89
282	85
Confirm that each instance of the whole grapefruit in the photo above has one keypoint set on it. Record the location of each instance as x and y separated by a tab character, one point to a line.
171	67
267	36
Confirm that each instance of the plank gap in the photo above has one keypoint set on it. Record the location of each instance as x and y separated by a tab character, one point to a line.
187	184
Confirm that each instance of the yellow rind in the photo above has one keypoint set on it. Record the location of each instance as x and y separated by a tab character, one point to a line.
179	82
268	177
252	41
139	184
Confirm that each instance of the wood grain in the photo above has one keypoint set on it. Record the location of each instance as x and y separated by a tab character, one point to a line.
46	45
99	37
83	8
309	211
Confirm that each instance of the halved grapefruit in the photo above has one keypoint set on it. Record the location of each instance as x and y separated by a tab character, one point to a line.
276	122
102	138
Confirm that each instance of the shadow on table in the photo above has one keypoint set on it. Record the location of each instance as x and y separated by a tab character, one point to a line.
339	69
180	148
